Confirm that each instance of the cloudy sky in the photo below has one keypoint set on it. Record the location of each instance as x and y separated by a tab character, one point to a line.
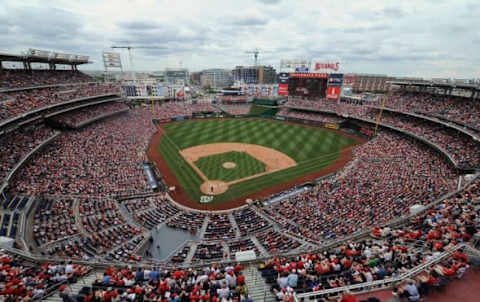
430	38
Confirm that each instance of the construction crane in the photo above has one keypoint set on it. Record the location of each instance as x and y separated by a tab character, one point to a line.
255	52
130	54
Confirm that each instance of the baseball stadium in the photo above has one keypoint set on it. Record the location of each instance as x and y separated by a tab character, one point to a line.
312	183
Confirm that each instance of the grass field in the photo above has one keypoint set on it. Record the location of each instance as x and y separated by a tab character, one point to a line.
312	148
212	166
262	110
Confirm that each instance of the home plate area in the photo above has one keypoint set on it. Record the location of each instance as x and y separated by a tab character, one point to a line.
223	164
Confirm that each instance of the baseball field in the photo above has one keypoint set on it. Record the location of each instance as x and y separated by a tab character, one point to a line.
216	161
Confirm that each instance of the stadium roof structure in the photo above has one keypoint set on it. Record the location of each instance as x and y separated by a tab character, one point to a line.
41	56
462	84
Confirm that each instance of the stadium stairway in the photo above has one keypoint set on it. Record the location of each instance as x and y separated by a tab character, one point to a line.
234	225
258	290
75	288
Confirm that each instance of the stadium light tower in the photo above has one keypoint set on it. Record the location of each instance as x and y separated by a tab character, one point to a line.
130	54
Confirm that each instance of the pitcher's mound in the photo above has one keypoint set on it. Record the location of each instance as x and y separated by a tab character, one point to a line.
214	187
229	165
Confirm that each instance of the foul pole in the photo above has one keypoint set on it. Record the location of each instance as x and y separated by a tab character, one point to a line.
379	116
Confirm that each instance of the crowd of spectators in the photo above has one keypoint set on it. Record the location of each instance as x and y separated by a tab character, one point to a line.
318	104
213	283
391	252
203	107
151	211
464	150
209	251
20	78
241	246
78	117
305	115
104	159
169	110
53	220
219	227
15	145
388	174
188	221
249	222
236	109
98	215
22	281
233	99
459	109
276	242
23	101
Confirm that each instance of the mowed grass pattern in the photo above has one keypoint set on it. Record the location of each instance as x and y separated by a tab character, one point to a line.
312	148
212	166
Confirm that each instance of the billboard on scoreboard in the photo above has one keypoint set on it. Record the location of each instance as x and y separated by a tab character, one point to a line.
283	89
309	75
301	69
283	77
335	79
333	92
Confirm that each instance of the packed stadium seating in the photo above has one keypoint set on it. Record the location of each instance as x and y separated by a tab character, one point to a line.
105	158
380	184
22	101
80	117
169	110
240	109
457	109
91	202
19	78
292	113
389	252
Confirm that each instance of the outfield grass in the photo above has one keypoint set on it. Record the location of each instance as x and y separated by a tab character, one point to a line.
212	166
312	148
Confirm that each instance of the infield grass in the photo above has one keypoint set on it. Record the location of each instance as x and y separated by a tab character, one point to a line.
312	148
246	165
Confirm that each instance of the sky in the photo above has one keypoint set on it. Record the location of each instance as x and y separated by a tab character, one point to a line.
430	38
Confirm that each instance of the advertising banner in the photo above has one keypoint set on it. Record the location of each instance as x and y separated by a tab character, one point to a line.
309	75
333	92
283	77
301	69
282	89
275	90
335	79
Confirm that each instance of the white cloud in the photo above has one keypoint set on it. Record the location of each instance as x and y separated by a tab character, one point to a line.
429	38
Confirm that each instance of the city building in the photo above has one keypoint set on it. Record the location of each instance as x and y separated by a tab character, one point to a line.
177	76
216	78
195	78
255	74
